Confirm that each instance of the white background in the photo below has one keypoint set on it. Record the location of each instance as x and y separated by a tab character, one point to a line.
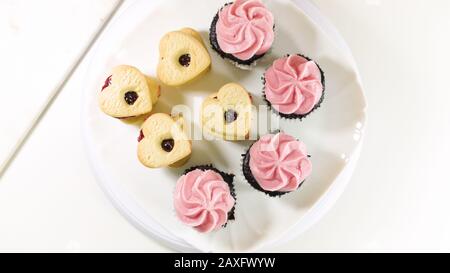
398	199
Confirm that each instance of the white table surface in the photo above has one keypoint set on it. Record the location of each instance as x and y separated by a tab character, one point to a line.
42	42
398	199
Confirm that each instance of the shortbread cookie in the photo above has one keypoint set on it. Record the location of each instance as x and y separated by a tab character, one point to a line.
227	114
128	93
183	57
163	142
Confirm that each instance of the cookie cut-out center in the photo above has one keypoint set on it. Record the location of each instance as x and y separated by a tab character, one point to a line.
168	145
185	60
230	116
131	97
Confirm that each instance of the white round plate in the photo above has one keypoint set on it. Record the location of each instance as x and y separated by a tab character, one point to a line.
333	134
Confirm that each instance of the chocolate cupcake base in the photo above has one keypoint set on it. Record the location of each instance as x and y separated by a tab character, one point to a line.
228	178
295	116
252	181
245	64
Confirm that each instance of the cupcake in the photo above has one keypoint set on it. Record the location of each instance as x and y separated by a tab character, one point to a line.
227	113
128	93
294	86
276	164
243	32
204	198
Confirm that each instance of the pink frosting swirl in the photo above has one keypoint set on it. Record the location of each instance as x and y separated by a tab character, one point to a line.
279	163
245	29
294	85
203	200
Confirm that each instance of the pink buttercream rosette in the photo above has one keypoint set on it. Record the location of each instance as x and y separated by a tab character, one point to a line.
204	200
243	31
294	86
277	164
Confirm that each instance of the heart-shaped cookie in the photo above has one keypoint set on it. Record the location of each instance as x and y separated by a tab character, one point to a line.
227	114
128	93
183	57
163	142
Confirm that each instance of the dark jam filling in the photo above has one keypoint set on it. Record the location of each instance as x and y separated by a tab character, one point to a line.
131	97
167	145
107	83
185	60
141	136
230	116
